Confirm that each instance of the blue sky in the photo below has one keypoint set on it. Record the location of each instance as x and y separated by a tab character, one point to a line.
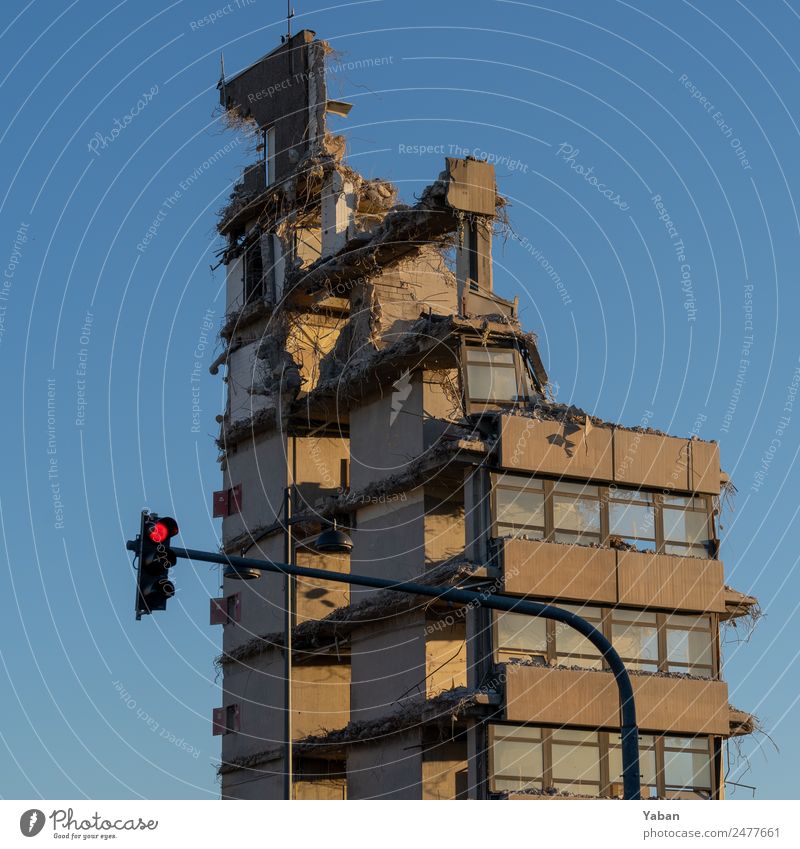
644	293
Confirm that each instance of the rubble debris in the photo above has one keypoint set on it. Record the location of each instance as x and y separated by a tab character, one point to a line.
442	710
423	469
339	624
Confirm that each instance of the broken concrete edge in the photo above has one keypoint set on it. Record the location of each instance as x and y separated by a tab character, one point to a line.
342	621
421	470
375	197
739	605
401	233
742	723
571	414
429	335
445	708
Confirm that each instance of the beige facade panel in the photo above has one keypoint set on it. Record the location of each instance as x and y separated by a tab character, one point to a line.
706	474
587	698
651	460
609	454
674	583
556	448
552	570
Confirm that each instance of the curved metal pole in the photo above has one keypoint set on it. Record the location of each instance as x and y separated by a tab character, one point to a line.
628	729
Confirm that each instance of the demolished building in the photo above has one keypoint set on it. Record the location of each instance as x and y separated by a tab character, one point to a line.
378	385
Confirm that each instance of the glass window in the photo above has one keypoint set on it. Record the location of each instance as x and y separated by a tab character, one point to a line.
517	758
571	647
520	634
634	634
631	516
689	645
687	767
647	765
492	375
576	761
571	759
686	531
520	506
576	513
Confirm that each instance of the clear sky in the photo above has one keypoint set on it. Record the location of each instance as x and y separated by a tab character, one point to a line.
645	287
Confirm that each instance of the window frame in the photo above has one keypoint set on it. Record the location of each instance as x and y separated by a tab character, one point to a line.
505	479
605	615
607	788
522	378
253	291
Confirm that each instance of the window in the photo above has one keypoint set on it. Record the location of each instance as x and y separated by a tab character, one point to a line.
634	634
520	635
517	761
631	516
269	155
586	514
646	641
571	647
648	774
576	513
575	757
686	526
687	768
492	375
589	763
253	271
519	507
690	645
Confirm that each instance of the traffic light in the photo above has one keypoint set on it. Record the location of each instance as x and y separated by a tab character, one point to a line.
153	586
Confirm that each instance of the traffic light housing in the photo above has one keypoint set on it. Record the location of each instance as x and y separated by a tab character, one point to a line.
156	557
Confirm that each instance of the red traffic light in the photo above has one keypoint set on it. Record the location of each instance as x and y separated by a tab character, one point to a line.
162	530
159	532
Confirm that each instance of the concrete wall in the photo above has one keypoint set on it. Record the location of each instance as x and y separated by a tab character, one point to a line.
383	439
244	370
389	665
582	573
390	769
610	454
586	698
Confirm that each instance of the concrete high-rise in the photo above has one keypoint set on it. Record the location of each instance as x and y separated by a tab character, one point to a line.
376	382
